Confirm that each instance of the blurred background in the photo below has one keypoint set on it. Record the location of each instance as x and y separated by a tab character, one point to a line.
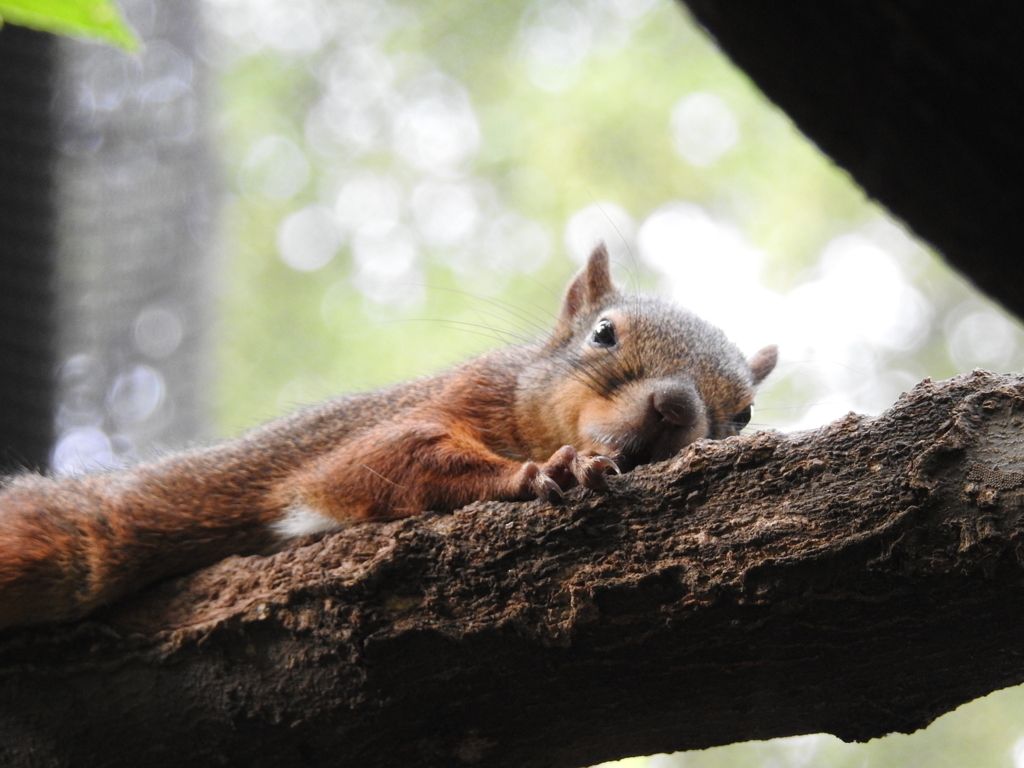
281	200
424	178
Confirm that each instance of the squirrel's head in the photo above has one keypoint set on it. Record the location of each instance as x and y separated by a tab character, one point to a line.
637	378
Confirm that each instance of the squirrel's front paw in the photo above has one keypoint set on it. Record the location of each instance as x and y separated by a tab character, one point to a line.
568	468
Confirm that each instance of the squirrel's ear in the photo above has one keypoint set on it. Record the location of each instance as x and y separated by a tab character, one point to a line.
587	291
763	362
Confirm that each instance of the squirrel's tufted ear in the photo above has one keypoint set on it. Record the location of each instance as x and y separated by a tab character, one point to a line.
763	362
588	291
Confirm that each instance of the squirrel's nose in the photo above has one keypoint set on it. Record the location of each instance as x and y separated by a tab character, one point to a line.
678	405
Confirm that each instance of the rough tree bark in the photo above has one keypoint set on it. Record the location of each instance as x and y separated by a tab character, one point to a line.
919	101
858	579
28	352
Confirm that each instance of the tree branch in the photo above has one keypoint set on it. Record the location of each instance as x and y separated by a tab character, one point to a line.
858	579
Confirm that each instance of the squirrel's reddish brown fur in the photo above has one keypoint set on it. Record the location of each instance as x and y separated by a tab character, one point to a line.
621	381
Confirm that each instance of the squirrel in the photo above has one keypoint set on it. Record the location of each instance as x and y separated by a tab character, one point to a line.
622	380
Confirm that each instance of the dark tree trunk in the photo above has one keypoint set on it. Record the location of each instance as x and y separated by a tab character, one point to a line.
107	211
27	248
919	101
858	579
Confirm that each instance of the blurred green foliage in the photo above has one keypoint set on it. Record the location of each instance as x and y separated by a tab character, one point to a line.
581	116
99	19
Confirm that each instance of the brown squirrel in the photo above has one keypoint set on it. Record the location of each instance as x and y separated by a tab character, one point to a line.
622	380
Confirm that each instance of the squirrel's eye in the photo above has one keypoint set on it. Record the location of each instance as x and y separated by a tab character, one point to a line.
742	418
603	334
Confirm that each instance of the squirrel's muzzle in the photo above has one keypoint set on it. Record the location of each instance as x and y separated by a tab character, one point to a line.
649	420
680	406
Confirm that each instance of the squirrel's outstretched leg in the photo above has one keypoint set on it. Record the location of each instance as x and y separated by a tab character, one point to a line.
404	469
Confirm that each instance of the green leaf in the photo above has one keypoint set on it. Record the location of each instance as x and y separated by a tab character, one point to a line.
80	18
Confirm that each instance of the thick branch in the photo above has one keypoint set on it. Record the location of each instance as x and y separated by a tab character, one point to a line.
859	579
918	101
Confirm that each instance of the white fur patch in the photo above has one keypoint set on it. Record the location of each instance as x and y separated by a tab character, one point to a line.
302	520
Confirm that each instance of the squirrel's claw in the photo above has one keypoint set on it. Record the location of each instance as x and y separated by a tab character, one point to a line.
591	470
603	463
548	489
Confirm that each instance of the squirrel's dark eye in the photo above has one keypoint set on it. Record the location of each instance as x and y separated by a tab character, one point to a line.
603	334
742	418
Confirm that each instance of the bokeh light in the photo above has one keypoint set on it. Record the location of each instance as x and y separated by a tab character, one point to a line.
704	128
307	239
